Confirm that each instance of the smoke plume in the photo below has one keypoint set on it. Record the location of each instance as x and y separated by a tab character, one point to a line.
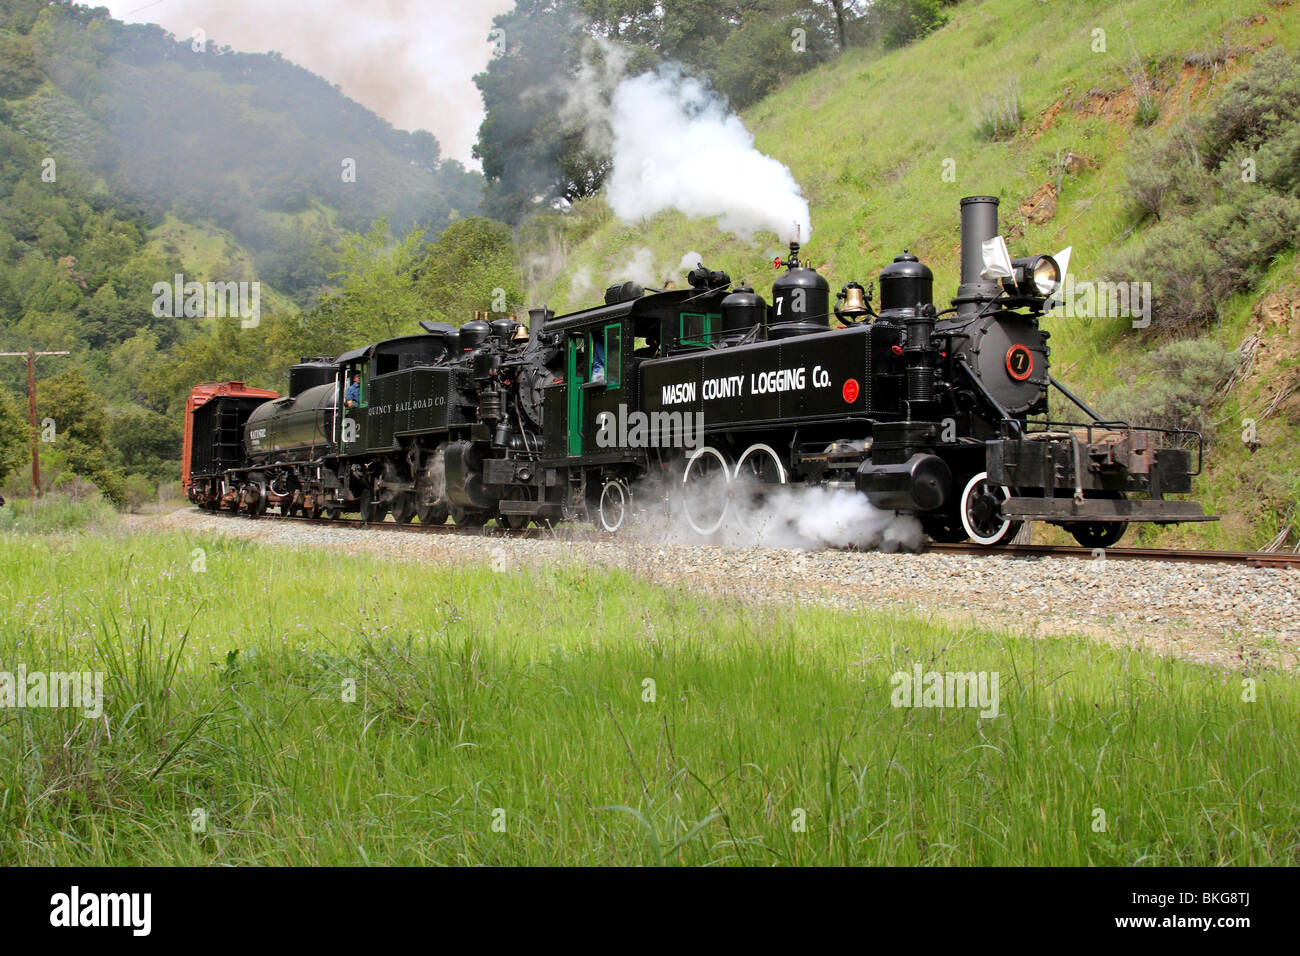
676	145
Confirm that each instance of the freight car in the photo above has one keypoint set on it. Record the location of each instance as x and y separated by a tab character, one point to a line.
939	414
213	444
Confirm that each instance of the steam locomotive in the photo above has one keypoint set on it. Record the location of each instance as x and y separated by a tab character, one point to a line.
943	415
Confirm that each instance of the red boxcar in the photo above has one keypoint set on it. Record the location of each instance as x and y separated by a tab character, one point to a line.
214	434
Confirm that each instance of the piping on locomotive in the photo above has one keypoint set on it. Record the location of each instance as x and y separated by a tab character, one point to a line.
943	415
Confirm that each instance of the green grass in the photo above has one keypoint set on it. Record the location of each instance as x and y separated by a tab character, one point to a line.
520	698
56	512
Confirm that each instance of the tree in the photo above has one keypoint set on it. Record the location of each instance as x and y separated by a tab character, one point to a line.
15	435
897	22
765	49
145	440
544	95
19	74
377	296
471	266
78	416
532	153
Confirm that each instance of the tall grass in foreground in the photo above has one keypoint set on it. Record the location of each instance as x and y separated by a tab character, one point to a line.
560	715
57	512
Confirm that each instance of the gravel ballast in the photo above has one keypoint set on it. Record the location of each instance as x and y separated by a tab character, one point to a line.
1220	614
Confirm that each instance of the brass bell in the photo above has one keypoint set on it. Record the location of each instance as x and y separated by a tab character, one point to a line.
855	300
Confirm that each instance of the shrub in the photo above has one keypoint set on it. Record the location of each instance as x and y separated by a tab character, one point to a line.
895	23
1225	190
137	491
1195	264
1000	114
1176	387
1148	110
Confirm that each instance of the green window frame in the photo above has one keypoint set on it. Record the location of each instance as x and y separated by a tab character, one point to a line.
613	355
696	328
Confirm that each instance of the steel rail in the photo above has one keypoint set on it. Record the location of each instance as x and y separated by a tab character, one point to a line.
1257	559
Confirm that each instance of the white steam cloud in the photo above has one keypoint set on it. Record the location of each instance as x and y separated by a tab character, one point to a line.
791	517
675	145
639	268
581	284
689	262
811	518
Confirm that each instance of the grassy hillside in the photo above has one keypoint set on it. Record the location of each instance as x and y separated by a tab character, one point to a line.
871	137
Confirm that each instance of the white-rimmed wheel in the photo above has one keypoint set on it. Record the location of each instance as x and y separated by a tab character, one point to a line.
758	472
615	506
981	512
705	485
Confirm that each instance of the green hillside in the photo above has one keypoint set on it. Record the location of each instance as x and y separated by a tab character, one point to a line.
249	143
128	156
870	137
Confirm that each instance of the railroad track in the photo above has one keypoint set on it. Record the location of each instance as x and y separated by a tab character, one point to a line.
1256	559
560	534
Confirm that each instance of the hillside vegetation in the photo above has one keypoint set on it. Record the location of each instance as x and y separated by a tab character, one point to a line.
129	156
1055	111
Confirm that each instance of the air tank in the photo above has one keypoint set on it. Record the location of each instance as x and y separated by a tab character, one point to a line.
309	373
503	330
904	284
473	334
800	300
742	310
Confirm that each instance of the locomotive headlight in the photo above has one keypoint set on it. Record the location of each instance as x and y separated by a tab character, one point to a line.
1047	275
1034	276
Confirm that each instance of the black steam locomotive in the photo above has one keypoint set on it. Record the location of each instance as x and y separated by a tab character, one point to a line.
939	414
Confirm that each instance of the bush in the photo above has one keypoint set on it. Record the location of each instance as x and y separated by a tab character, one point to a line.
1000	114
1195	264
1148	110
898	22
1175	389
1225	189
15	435
137	491
1255	106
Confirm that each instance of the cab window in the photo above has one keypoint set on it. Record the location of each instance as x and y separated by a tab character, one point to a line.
613	355
695	328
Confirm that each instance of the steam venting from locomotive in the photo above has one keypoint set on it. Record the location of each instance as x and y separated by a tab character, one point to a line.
804	518
813	518
676	145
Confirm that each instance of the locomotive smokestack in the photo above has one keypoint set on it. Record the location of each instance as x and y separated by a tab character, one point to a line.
537	319
979	222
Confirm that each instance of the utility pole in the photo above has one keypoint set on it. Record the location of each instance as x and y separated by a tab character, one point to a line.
31	357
